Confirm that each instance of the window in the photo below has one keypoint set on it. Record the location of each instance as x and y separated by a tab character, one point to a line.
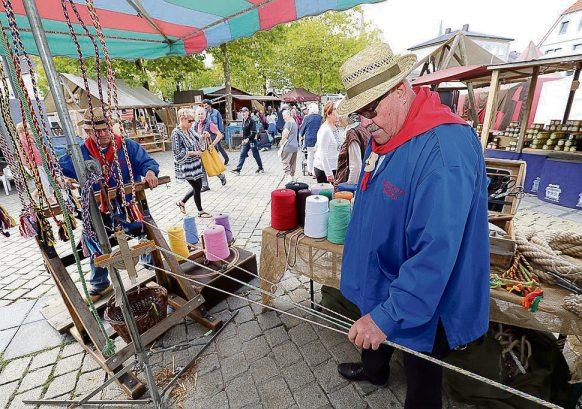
564	27
549	51
580	25
576	47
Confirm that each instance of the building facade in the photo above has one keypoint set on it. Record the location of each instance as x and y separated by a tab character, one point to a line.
565	36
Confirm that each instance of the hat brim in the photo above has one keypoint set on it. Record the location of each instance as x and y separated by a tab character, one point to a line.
97	127
349	105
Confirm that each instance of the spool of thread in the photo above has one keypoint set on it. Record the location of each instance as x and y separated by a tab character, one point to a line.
316	216
343	195
191	230
339	217
296	186
347	187
318	187
327	193
301	198
215	244
283	209
221	219
177	241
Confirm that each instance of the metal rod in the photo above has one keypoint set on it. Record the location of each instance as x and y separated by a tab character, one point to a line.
91	402
108	382
193	360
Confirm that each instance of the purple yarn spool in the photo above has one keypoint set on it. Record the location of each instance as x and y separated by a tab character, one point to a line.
221	219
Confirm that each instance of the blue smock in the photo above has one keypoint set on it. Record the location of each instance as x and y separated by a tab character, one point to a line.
309	127
417	245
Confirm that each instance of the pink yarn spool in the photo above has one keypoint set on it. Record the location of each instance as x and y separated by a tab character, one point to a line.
215	244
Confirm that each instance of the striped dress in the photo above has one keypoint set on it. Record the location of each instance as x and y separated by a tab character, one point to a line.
186	167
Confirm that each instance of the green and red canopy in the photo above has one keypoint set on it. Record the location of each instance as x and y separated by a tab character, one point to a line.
155	28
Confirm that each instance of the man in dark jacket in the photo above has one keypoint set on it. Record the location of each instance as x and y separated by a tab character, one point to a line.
249	142
213	115
308	133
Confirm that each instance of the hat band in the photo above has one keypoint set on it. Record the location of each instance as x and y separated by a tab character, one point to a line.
96	122
373	81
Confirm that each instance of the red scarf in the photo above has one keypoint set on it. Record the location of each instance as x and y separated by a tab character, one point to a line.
426	113
95	151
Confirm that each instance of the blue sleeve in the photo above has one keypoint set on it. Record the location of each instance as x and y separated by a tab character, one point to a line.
442	202
141	161
220	124
303	125
66	163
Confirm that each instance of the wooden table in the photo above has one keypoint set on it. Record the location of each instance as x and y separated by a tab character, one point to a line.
320	261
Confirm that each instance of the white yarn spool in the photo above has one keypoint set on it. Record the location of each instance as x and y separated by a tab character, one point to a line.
316	216
318	187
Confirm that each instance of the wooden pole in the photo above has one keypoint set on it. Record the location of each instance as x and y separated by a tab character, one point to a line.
451	52
470	92
527	109
573	88
227	82
491	108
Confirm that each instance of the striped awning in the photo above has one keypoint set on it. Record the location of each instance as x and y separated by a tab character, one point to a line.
155	28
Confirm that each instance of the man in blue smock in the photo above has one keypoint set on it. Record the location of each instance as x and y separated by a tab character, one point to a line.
416	255
98	146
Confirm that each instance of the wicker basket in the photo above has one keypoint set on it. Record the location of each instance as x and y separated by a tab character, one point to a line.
149	306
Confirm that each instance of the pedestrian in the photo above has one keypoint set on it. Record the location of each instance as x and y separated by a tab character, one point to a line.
272	124
249	132
326	147
204	127
280	121
187	147
214	116
289	145
416	255
308	133
349	163
296	115
98	147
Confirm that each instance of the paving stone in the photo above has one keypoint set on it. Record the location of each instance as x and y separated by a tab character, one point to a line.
45	358
33	394
310	396
71	349
268	319
328	376
242	392
90	365
88	382
249	330
290	321
256	348
383	398
207	363
233	366
234	303
208	385
65	365
33	379
277	336
302	334
218	401
61	385
275	394
314	353
346	398
14	370
14	314
331	338
297	375
5	337
264	369
286	354
228	346
244	314
6	392
346	352
27	339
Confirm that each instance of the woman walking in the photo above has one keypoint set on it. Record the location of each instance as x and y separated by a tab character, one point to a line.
326	147
187	148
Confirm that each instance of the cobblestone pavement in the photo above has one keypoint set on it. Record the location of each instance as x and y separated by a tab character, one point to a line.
263	359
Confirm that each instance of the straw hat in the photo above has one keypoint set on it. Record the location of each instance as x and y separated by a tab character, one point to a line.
96	121
370	74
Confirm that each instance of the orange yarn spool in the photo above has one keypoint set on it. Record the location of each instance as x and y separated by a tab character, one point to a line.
343	195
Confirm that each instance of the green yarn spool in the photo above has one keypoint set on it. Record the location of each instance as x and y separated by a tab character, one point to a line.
339	217
327	193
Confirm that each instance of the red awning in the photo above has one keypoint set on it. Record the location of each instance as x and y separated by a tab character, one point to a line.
463	73
299	95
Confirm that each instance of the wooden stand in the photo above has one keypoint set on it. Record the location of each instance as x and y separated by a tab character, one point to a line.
78	320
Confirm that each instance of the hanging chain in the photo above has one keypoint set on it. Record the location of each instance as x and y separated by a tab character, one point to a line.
112	91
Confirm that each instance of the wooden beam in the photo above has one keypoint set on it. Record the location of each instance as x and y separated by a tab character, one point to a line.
527	109
490	108
452	51
470	92
573	88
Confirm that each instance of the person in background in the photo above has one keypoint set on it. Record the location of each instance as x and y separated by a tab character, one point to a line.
187	148
249	131
349	163
272	124
289	145
204	127
98	146
308	133
280	121
296	115
416	255
214	116
326	147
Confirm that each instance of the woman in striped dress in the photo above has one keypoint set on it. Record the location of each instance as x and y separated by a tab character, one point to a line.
187	149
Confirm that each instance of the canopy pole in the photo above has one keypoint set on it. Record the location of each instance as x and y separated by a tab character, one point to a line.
227	82
491	108
527	109
573	88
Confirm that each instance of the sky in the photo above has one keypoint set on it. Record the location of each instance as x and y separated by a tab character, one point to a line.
523	20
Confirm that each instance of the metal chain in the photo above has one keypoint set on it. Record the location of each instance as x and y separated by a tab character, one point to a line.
112	91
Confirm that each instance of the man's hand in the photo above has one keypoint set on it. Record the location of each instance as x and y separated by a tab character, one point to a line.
151	179
365	333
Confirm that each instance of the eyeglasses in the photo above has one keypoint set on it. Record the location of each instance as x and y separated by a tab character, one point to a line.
191	120
354	117
369	111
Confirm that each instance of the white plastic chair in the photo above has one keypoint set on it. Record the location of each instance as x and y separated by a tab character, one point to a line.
6	178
